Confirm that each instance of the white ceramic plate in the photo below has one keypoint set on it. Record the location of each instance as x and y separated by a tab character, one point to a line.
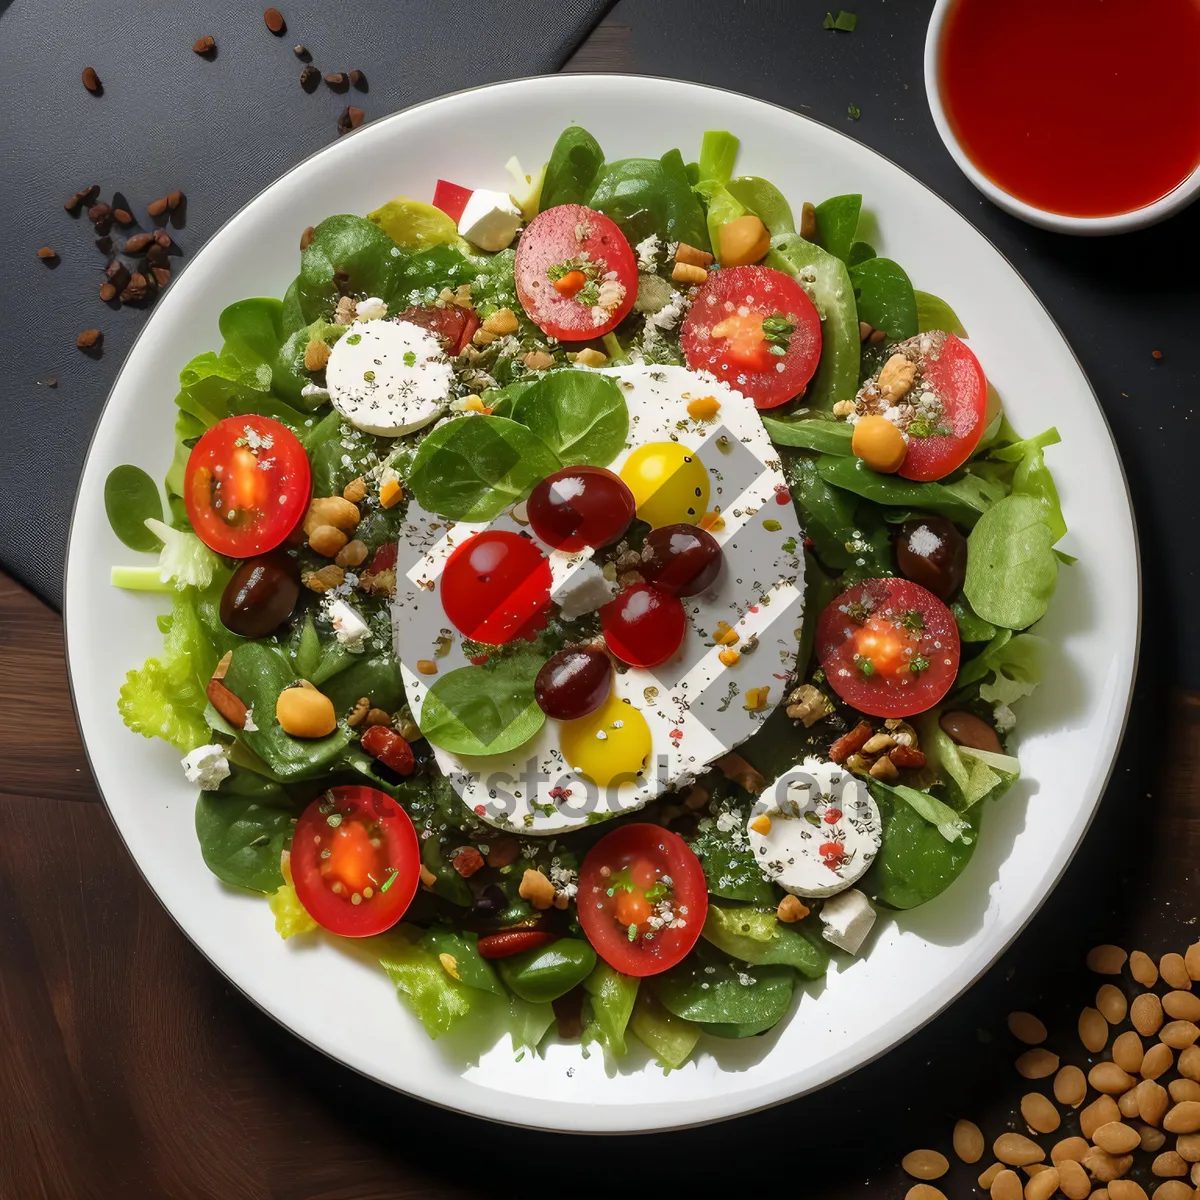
917	963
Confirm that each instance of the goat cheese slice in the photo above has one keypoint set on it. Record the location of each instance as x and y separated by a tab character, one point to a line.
490	220
388	377
815	830
848	917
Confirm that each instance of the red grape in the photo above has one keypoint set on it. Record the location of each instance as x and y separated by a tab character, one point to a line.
578	507
573	683
643	626
681	560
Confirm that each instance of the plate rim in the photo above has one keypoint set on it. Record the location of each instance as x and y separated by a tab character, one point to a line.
604	1125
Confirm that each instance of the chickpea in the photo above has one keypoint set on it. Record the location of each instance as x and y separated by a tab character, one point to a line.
743	241
879	444
304	712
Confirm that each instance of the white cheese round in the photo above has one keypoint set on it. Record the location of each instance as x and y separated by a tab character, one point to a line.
388	377
696	707
815	830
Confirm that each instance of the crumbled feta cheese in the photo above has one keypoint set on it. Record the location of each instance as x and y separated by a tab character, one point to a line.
249	724
1004	717
490	220
207	766
583	590
647	252
848	918
668	316
348	626
371	309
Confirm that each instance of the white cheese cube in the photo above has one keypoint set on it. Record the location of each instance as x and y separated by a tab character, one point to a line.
348	626
582	590
490	220
207	766
847	918
371	309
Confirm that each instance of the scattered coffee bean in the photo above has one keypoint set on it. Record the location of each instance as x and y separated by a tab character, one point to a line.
351	118
310	78
162	238
358	80
89	339
205	45
48	255
122	216
337	81
91	81
275	22
81	198
306	238
108	292
301	52
138	243
156	208
162	276
174	199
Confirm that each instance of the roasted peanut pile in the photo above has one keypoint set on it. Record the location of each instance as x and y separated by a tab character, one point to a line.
1137	1108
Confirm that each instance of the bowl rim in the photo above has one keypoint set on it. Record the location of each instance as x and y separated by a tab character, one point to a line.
868	1052
1178	198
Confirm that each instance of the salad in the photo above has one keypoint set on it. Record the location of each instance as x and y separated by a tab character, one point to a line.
604	597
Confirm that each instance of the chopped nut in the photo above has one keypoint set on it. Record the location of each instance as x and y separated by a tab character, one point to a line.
850	743
729	657
204	45
351	117
324	579
156	208
46	254
808	221
686	273
809	705
89	339
692	256
843	408
791	909
355	490
378	716
326	541
483	337
884	768
878	743
561	900
81	198
274	21
537	889
538	360
308	237
896	378
352	554
426	666
449	965
378	583
330	510
588	357
347	308
316	356
857	765
501	322
359	712
91	81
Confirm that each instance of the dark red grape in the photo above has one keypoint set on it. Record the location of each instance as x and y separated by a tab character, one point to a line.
578	507
643	626
681	560
261	595
573	683
931	552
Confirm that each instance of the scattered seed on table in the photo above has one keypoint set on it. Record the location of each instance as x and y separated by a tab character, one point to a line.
138	243
925	1164
156	208
968	1141
1173	969
1069	1148
1142	968
988	1177
1099	1112
89	339
1007	1186
1158	1060
351	118
1128	1051
1017	1150
1156	354
1037	1063
91	81
1093	1030
46	254
1039	1114
1183	1006
1073	1180
122	216
924	1191
1146	1013
337	81
1116	1137
205	45
1110	1000
358	80
310	78
275	22
1070	1086
108	292
1025	1027
301	52
1179	1034
307	237
1106	960
81	198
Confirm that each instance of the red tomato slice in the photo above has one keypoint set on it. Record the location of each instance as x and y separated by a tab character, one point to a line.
370	874
451	198
247	485
957	379
723	333
888	647
570	238
623	883
453	325
495	587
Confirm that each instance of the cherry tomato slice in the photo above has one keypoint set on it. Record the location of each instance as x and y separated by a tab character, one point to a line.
388	747
496	587
645	876
355	861
888	647
724	333
453	325
571	238
504	943
957	380
247	485
643	626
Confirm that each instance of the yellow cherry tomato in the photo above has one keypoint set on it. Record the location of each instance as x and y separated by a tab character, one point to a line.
668	482
610	745
879	444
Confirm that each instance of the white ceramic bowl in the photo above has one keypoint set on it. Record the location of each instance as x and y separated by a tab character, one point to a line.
917	962
1150	214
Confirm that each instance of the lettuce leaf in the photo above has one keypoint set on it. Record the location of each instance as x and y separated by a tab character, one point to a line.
968	775
165	700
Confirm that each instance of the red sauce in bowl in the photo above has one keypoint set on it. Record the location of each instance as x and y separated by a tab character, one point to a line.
1086	108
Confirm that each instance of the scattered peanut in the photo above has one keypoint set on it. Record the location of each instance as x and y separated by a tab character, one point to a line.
1117	1138
359	712
1007	1186
1128	1052
588	357
1039	1114
1025	1027
304	712
1106	960
925	1164
1183	1006
355	491
884	769
378	716
537	889
1093	1030
1043	1185
331	510
791	909
1142	968
352	554
1110	1000
1017	1150
1188	1147
538	360
924	1191
968	1142
316	355
1106	1167
325	579
503	321
1070	1086
896	378
1037	1064
326	541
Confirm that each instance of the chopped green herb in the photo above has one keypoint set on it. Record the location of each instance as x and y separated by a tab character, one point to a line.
772	526
633	933
387	883
865	665
853	112
918	665
845	22
410	358
778	332
913	621
829	22
354	339
620	881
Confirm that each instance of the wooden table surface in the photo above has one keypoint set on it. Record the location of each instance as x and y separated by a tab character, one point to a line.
129	1067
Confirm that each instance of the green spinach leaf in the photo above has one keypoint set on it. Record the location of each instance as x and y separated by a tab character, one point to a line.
853	475
243	829
1011	567
646	195
574	164
347	255
580	415
485	709
130	496
730	868
810	433
837	223
756	936
885	297
765	201
706	989
934	313
472	468
611	998
252	329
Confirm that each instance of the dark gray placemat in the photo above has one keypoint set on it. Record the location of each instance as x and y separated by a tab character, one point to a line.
220	129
